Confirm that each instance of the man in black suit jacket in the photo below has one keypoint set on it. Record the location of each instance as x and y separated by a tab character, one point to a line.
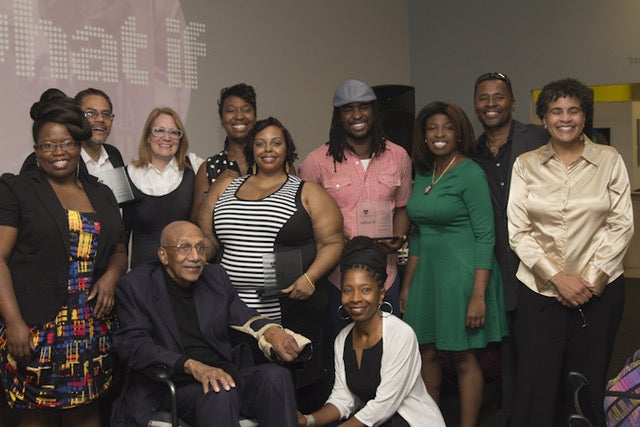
503	140
176	313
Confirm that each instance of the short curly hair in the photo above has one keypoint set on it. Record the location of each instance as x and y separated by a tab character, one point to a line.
241	90
567	88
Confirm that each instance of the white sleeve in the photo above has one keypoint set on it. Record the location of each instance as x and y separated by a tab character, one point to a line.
341	397
399	371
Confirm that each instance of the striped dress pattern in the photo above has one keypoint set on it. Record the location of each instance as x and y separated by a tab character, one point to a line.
248	229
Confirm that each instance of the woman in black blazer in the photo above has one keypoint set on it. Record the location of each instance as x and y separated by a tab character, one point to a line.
61	253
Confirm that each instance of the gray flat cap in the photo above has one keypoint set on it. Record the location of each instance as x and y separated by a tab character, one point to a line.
353	91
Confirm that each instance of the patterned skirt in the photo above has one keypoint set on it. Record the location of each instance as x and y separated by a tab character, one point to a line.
72	362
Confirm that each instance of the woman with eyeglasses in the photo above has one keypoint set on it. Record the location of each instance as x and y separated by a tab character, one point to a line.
570	223
62	251
162	181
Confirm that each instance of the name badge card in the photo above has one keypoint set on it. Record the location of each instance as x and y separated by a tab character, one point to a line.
375	219
116	179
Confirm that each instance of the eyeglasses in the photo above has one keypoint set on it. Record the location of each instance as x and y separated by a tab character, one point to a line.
93	114
49	147
186	248
160	132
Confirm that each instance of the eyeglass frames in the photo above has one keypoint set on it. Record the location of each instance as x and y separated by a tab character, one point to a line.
160	132
93	114
49	147
186	248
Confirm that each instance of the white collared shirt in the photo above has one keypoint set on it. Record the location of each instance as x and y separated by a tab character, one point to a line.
94	167
152	182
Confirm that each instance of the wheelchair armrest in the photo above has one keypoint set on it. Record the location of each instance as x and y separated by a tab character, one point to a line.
160	373
577	379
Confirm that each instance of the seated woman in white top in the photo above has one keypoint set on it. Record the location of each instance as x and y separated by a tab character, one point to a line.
162	181
377	361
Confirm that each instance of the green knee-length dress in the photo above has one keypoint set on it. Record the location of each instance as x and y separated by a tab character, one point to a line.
453	235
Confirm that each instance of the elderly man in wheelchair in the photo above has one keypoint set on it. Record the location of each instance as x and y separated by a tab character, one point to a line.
174	315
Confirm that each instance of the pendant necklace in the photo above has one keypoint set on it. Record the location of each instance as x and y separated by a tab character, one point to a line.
434	181
495	148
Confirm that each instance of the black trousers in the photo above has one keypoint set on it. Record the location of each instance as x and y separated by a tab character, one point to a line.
264	392
551	340
508	374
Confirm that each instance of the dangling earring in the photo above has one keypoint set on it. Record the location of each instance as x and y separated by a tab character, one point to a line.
38	163
286	168
384	313
340	316
254	169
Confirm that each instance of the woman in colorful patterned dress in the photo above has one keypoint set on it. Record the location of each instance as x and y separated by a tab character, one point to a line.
62	251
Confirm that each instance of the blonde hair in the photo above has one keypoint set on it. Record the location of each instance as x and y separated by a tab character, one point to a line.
144	152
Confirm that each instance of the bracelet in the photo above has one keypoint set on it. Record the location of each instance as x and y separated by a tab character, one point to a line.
311	421
309	280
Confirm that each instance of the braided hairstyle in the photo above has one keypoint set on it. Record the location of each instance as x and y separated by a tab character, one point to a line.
363	252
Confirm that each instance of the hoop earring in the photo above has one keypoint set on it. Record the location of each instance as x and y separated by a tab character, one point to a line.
340	314
385	313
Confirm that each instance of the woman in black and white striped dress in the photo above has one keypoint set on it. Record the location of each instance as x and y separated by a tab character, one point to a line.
270	212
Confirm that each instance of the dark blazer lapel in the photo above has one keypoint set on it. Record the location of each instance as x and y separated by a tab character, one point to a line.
163	306
520	143
208	313
49	200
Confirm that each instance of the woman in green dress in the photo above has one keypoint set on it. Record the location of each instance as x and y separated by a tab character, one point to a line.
451	292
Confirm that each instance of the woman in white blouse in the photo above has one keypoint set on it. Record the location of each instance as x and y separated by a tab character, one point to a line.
377	360
162	180
570	223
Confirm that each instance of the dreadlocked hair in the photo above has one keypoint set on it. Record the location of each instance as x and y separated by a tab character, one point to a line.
338	136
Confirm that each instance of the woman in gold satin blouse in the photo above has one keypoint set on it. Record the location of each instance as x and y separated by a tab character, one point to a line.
570	223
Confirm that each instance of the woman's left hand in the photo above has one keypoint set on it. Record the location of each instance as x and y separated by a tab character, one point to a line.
475	312
104	292
300	290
